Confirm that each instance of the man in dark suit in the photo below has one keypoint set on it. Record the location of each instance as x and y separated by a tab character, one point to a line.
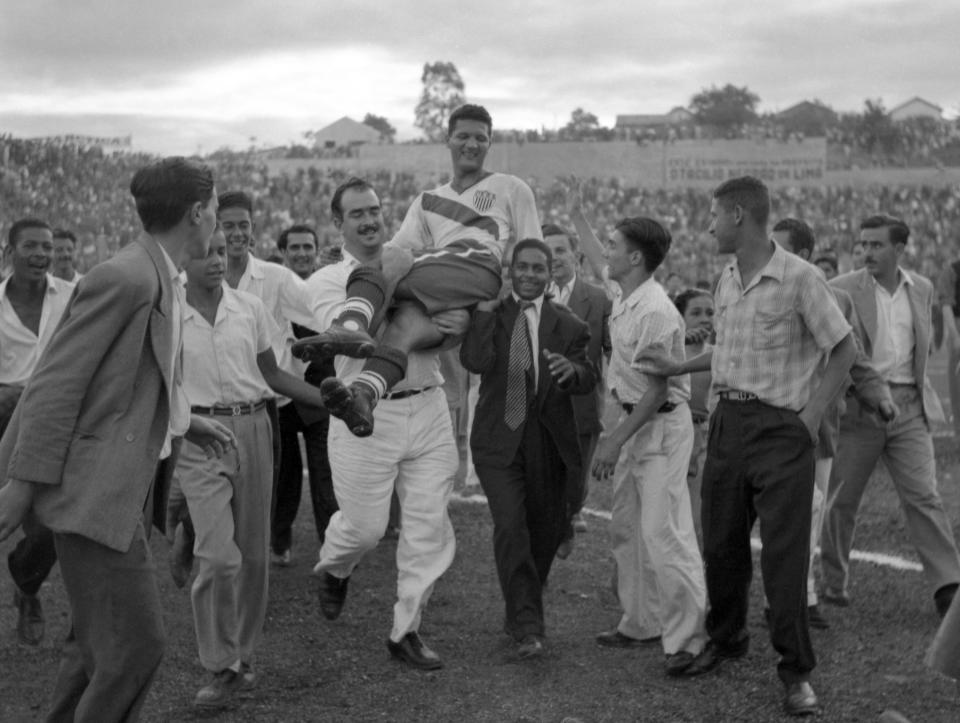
591	305
82	449
894	307
531	355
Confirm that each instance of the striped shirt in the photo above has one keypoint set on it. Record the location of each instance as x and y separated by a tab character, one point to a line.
773	336
644	320
494	212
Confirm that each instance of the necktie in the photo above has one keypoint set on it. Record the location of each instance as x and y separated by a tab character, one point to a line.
515	408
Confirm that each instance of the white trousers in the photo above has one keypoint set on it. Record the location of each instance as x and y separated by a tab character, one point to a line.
412	448
660	580
229	503
821	480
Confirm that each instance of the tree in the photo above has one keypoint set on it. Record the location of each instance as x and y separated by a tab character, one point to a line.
381	125
876	130
727	108
443	91
581	125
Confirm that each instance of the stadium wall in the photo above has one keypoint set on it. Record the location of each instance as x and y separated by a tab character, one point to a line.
683	164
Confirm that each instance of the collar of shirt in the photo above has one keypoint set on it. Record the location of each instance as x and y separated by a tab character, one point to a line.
228	301
52	287
562	293
775	268
537	303
254	268
171	267
904	279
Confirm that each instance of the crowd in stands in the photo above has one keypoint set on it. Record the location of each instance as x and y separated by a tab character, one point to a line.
85	190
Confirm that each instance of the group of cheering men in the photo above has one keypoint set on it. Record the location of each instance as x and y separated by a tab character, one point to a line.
168	386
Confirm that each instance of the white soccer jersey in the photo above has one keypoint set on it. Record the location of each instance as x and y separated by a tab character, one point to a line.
496	211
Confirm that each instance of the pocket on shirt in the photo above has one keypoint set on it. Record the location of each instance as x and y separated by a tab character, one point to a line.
772	329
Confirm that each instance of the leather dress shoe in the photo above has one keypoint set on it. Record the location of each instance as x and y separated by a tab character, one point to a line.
943	598
332	592
218	692
713	654
530	646
353	404
413	651
565	548
799	699
616	639
30	621
677	663
835	597
335	340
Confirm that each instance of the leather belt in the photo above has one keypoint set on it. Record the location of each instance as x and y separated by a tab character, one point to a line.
230	410
662	409
403	394
734	396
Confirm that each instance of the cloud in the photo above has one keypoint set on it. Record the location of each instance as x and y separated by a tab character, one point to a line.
305	63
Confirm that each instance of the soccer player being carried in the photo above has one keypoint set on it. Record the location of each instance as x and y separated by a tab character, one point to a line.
446	255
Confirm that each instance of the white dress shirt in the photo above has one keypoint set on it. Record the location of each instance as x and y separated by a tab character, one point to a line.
20	348
893	347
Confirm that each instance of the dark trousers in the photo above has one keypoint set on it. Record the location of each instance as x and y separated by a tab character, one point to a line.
528	505
33	558
290	481
116	640
760	464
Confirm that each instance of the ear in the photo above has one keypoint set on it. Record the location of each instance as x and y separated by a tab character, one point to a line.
804	254
195	213
738	214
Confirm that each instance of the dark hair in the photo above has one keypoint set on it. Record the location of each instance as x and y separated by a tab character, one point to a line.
531	243
165	190
647	236
800	234
235	199
65	233
551	229
684	297
702	285
468	111
353	183
898	232
749	193
830	258
296	228
22	225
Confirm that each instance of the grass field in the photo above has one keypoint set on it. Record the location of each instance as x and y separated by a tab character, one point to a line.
315	670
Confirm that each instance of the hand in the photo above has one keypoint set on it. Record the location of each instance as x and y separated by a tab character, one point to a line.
15	499
560	367
211	436
453	322
887	410
812	423
657	361
491	305
575	197
697	335
605	458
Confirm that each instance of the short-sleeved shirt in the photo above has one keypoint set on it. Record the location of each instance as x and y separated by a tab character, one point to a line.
645	320
494	212
20	348
220	361
773	335
327	290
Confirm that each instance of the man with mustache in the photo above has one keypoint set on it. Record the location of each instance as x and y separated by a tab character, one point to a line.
413	452
31	304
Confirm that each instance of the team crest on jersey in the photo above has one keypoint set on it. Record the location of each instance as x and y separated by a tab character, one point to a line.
483	200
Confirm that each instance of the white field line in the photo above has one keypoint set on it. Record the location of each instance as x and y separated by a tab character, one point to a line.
876	558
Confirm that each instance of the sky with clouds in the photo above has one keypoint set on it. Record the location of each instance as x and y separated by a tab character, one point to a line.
183	76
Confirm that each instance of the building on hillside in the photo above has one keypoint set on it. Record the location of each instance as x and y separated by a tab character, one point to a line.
916	107
344	133
807	117
678	119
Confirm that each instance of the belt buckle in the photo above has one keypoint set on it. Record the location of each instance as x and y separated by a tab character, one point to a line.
236	410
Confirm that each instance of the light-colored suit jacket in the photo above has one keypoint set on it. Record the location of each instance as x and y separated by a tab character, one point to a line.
91	423
861	288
